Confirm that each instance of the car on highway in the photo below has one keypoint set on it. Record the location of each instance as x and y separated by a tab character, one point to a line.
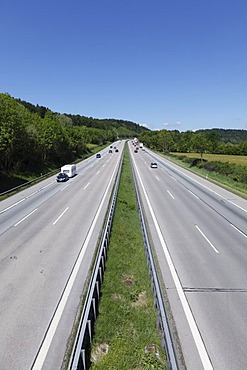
135	151
153	165
62	177
116	150
98	155
110	150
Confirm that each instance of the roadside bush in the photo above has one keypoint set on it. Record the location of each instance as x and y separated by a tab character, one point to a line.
235	172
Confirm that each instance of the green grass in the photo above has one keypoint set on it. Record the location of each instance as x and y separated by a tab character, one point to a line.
221	180
238	159
127	319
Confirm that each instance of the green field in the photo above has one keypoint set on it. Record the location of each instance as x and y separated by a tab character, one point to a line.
238	159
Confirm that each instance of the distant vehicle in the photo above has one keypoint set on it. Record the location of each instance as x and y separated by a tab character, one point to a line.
98	155
116	150
111	147
110	151
69	169
153	165
141	145
135	151
62	177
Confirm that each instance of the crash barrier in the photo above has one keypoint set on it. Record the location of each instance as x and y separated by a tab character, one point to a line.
80	357
25	184
167	343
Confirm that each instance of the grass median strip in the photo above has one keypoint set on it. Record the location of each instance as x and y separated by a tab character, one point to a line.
125	335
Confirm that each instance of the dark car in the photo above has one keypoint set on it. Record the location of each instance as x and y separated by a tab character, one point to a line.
62	177
135	151
153	165
110	151
98	155
116	150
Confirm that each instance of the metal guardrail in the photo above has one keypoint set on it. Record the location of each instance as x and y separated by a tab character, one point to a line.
167	341
16	188
80	357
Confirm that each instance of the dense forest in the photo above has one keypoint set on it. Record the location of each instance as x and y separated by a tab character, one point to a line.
33	138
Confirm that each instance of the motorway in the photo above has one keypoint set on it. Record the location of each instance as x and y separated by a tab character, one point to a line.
199	233
48	235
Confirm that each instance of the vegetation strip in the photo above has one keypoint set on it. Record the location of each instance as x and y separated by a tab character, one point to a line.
126	336
224	174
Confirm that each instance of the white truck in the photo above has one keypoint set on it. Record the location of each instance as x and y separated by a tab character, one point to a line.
141	145
69	169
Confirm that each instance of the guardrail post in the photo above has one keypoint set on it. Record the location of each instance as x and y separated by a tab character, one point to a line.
103	263
97	288
94	309
83	359
89	330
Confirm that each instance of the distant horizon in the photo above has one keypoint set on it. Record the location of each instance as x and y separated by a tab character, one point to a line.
123	119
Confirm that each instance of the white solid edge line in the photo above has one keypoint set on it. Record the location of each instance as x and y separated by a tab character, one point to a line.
13	205
206	187
191	321
239	230
39	361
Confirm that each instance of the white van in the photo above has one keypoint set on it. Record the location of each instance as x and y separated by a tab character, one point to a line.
69	169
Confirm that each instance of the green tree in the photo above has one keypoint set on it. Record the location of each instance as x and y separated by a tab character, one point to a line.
165	140
199	143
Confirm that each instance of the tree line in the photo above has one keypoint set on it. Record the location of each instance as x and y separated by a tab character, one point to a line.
32	138
215	141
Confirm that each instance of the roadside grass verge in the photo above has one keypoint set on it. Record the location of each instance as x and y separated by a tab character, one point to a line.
224	181
127	319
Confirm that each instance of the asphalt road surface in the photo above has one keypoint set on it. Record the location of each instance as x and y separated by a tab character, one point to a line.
199	232
48	235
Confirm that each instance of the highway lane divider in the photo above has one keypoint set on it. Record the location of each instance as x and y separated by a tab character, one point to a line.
80	356
163	321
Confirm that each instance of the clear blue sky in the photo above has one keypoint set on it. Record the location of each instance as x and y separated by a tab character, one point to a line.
175	64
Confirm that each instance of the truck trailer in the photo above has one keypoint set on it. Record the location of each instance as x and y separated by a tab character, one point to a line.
69	169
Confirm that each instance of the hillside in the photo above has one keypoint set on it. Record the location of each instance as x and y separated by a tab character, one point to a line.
123	128
227	136
35	140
